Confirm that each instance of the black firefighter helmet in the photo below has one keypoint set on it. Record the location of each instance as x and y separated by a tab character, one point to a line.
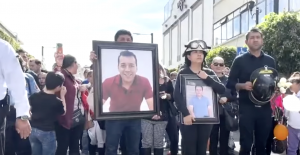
264	81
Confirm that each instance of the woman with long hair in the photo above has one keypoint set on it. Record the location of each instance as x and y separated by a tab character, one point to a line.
70	126
195	136
153	130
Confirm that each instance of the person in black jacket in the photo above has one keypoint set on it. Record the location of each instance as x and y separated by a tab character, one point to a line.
195	136
218	66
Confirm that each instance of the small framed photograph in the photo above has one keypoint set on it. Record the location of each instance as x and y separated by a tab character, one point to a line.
200	99
125	80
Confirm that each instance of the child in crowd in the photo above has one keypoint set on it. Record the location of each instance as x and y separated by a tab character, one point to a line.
45	107
293	120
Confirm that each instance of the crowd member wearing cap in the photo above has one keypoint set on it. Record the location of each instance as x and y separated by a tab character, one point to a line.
220	130
195	136
125	132
253	118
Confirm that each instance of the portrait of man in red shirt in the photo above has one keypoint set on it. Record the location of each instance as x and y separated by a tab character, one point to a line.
127	90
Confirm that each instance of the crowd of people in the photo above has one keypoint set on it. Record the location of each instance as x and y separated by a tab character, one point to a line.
60	108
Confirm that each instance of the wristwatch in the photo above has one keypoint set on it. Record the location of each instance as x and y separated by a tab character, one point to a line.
24	118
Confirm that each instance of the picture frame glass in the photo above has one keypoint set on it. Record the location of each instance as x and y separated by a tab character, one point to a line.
200	99
127	81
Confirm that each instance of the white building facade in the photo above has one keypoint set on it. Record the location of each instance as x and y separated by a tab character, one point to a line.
185	20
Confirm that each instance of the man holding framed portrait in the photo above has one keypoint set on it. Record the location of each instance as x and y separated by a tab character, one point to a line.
117	126
123	93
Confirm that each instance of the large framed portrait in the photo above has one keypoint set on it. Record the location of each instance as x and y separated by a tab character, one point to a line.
200	99
125	80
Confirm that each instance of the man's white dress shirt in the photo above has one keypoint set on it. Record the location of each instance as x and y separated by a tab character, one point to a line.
12	77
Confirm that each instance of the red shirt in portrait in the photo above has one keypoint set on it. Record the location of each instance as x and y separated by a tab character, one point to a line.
125	100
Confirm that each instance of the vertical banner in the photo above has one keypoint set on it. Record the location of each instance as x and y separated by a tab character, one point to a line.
59	56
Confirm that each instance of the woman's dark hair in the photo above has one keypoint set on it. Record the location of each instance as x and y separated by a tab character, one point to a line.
68	61
123	32
188	62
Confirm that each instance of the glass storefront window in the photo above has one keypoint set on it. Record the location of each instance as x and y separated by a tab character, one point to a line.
217	36
294	5
236	26
224	32
270	6
251	20
284	5
229	29
262	12
244	22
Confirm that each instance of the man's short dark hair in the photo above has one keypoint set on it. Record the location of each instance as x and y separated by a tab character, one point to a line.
21	51
54	79
198	86
127	54
255	30
122	32
36	61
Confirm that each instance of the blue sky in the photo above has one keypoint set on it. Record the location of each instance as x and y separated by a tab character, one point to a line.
75	23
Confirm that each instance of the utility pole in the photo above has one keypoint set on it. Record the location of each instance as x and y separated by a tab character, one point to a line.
151	38
276	6
257	15
42	54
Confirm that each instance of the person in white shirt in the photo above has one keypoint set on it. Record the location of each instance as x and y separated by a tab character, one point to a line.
293	120
12	78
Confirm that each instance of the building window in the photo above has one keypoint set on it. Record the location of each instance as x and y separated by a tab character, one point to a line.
217	36
244	22
251	20
269	6
241	20
262	11
236	26
229	29
224	32
294	5
283	5
167	9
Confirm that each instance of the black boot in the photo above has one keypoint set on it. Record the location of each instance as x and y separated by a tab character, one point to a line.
146	151
159	151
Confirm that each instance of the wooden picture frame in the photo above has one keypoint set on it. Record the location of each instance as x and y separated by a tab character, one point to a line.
125	80
200	99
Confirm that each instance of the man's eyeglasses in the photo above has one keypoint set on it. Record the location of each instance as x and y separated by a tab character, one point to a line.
219	64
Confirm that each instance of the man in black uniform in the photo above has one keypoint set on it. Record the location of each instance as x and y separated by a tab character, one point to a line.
253	118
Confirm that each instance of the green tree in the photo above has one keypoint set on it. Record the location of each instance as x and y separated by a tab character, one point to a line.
282	40
228	53
9	39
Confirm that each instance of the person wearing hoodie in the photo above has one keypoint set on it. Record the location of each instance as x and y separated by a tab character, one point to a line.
218	66
195	136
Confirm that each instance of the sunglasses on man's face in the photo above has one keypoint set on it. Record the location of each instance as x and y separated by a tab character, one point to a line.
219	64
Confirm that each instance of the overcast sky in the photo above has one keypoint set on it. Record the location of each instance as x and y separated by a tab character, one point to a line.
75	23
